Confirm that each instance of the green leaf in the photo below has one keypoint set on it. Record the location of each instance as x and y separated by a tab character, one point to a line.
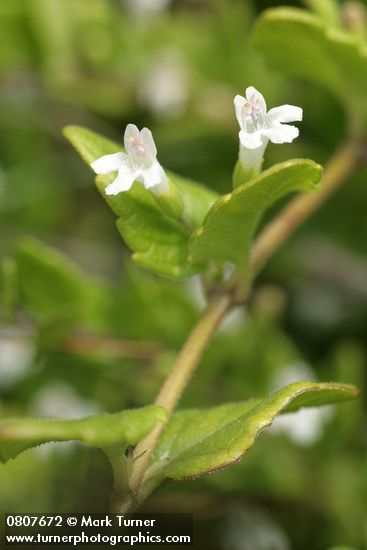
57	294
230	224
51	285
86	304
302	44
104	430
199	442
158	241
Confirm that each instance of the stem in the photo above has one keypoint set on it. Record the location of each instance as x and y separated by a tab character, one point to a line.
341	165
175	384
275	233
117	461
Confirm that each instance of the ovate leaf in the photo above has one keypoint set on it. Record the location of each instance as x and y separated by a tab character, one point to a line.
228	228
199	442
158	241
57	294
104	430
63	299
51	285
302	44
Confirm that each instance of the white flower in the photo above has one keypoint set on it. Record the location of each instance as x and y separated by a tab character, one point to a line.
258	126
139	163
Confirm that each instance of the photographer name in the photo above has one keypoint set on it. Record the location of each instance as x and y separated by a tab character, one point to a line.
115	521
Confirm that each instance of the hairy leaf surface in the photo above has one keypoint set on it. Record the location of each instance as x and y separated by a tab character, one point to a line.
199	442
104	430
228	228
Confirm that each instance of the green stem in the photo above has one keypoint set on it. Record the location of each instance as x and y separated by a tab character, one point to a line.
174	386
340	166
275	233
118	464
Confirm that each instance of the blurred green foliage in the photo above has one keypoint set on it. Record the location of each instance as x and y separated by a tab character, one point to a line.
99	334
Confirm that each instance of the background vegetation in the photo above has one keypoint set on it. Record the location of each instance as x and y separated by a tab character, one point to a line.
83	330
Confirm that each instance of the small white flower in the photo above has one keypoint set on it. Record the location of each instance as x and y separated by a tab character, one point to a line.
258	126
139	163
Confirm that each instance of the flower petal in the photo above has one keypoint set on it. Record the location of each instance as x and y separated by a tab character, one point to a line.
131	133
123	182
285	113
108	163
239	105
134	144
149	145
281	133
153	176
254	97
251	140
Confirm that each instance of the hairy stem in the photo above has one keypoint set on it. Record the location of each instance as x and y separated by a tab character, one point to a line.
340	166
272	237
115	457
175	384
